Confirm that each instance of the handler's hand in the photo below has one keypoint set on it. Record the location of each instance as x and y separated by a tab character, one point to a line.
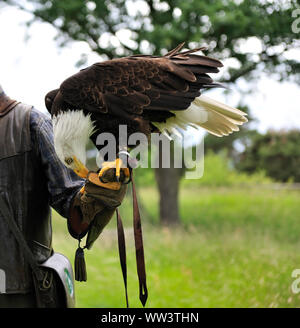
98	204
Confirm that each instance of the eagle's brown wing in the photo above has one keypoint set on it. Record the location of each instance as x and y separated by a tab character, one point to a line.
137	83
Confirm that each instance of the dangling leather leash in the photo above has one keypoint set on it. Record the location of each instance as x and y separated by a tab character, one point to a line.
139	248
122	252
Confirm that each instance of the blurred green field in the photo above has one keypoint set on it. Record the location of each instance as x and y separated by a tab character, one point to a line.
237	247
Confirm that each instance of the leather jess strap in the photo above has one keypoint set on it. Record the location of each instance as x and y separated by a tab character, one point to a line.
140	260
139	247
122	252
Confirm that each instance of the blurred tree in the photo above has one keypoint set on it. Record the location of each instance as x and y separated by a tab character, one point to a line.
251	36
122	27
167	181
276	153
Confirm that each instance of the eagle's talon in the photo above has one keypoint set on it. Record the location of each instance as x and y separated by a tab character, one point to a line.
101	179
127	172
121	173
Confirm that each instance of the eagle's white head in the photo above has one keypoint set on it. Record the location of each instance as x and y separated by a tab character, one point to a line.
72	130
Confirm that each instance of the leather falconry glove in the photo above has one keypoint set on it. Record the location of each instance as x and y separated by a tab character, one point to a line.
97	204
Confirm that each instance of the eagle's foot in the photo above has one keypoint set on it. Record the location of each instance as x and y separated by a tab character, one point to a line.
120	174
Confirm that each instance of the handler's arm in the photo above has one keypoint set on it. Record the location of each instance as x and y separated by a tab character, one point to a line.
63	184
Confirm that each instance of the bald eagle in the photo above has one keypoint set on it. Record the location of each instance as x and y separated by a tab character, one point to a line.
146	93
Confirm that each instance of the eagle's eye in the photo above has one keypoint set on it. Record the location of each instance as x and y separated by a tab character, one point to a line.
69	160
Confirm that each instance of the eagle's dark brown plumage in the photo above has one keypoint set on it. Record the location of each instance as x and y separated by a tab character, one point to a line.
136	90
145	93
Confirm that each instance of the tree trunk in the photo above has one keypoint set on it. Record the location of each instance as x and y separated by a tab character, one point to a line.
168	186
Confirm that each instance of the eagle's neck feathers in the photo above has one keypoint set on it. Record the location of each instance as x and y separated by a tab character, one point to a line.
72	130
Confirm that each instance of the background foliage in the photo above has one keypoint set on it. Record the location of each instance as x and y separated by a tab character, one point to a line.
156	26
277	152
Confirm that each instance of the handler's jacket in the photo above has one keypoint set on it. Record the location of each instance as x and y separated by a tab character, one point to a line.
31	179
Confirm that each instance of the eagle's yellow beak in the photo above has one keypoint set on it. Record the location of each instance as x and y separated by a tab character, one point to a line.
80	169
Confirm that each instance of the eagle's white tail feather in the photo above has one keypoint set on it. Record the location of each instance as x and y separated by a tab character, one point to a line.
215	117
220	108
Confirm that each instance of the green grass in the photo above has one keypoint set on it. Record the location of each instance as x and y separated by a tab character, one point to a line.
236	248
